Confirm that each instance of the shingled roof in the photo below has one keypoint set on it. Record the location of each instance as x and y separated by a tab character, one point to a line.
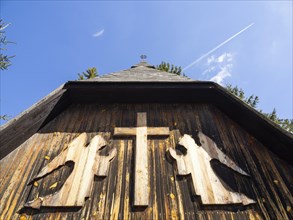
141	72
142	83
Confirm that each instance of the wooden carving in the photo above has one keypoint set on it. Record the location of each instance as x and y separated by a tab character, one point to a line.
141	182
87	163
206	184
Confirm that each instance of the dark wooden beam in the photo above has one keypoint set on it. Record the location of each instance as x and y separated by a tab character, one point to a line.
22	127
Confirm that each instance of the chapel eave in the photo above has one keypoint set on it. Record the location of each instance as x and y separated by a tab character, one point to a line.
22	127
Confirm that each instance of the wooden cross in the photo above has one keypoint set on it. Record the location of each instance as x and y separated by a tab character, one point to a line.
141	176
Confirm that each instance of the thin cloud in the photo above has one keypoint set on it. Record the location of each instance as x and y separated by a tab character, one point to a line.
217	47
224	72
99	33
225	57
210	60
219	68
208	70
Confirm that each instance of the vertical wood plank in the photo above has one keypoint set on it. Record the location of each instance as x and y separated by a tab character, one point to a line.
141	196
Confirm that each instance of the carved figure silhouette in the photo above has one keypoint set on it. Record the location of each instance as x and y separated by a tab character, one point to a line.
206	183
78	186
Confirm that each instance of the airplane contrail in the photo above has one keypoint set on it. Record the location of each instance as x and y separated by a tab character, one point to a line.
217	47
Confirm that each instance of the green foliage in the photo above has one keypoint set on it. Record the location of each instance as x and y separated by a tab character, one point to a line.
287	124
252	101
4	59
166	67
90	73
4	117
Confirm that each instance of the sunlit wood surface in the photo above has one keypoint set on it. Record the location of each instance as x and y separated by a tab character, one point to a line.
170	196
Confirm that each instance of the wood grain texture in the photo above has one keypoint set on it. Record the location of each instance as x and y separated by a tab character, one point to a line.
269	184
196	162
20	128
78	185
141	173
141	176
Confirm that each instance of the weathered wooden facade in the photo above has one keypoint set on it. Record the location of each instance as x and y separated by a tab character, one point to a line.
249	157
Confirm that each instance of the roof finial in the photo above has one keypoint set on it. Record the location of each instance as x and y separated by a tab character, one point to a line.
143	63
143	58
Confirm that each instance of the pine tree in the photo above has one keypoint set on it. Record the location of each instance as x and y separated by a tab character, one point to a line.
89	74
166	67
253	100
4	117
5	61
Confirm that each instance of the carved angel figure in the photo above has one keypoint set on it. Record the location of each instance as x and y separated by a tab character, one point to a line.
206	183
87	163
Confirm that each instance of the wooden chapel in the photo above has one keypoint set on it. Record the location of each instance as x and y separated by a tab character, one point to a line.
144	144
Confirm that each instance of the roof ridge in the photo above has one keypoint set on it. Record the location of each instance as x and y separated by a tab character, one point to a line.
141	73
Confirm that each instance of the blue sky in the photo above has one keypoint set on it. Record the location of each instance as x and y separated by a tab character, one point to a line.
55	40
